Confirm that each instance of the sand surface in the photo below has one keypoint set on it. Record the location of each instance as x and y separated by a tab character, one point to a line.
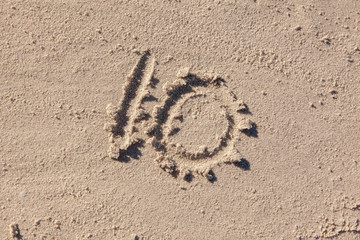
180	119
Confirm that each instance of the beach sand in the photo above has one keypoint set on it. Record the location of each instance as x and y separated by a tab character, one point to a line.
180	120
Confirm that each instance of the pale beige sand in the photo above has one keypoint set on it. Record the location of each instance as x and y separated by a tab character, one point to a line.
266	108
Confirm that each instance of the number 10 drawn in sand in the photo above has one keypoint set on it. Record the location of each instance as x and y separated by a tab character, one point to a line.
194	129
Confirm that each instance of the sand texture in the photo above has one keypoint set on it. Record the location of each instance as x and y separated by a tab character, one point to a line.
180	119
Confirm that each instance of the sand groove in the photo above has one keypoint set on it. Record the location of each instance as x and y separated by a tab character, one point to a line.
196	126
122	131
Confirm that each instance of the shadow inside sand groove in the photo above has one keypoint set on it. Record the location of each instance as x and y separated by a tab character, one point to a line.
132	152
243	164
252	132
212	177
